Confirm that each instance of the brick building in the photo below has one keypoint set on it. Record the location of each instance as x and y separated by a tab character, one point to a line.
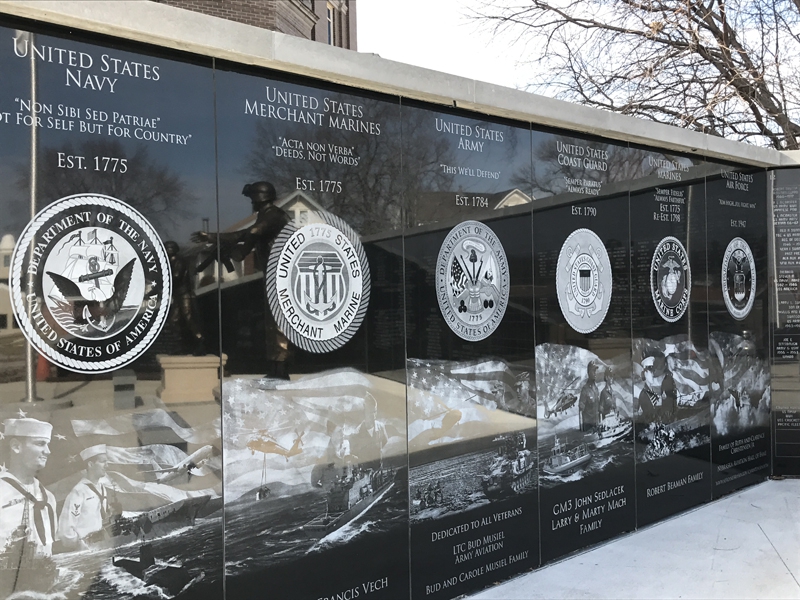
328	21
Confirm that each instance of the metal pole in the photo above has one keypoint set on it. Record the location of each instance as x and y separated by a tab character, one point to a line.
31	357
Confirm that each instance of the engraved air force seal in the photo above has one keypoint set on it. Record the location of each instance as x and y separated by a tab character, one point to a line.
472	281
670	279
90	283
318	283
583	280
738	278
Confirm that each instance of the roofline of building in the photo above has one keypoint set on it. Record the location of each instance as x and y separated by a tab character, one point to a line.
188	31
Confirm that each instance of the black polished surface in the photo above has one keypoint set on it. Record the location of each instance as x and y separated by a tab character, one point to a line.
670	341
316	473
469	301
738	328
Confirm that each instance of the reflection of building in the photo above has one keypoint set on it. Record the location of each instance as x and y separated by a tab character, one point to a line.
6	317
437	206
331	22
300	207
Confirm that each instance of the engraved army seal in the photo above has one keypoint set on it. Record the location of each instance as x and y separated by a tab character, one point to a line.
472	280
318	283
90	283
738	278
670	279
583	280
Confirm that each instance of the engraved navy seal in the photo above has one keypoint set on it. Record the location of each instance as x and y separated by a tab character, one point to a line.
318	283
472	280
738	278
670	279
90	283
583	280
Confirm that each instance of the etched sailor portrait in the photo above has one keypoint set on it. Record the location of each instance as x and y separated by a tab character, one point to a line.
90	283
472	280
318	283
738	278
670	279
583	280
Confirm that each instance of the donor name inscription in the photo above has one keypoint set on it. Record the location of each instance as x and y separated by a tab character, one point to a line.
673	485
359	591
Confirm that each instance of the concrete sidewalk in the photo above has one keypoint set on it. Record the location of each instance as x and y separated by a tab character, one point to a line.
746	545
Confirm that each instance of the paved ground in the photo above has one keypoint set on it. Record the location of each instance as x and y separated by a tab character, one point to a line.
746	545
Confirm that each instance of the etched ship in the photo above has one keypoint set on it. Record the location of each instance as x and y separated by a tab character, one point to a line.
352	493
562	460
512	470
612	428
22	568
92	265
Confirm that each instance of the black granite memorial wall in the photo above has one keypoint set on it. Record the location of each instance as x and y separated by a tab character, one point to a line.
279	336
108	488
583	345
738	328
469	343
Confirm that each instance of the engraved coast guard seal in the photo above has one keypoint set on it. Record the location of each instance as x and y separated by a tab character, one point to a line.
583	280
472	280
318	283
670	279
90	283
738	278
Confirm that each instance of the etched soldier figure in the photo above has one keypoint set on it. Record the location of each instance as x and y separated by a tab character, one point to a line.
87	508
27	509
589	399
184	312
658	399
27	513
258	239
669	395
607	403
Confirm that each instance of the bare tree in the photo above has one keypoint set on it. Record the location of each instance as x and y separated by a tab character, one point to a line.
724	67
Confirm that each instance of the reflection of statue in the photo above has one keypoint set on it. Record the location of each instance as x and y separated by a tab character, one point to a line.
257	238
184	312
589	399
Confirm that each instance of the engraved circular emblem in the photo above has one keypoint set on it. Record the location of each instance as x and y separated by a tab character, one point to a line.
738	278
318	283
472	281
670	279
90	283
583	280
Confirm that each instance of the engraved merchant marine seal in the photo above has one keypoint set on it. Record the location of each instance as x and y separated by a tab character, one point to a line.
738	278
90	283
472	281
583	280
670	279
318	283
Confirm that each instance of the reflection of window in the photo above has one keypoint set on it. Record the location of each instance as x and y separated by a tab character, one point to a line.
16	323
3	321
7	260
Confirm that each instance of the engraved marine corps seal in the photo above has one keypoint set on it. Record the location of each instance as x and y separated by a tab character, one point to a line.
472	280
90	283
318	283
583	280
738	278
670	279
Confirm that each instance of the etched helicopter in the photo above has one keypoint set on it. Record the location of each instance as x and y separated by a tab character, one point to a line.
564	402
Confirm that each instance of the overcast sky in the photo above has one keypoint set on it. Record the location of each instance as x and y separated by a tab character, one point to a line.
437	34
